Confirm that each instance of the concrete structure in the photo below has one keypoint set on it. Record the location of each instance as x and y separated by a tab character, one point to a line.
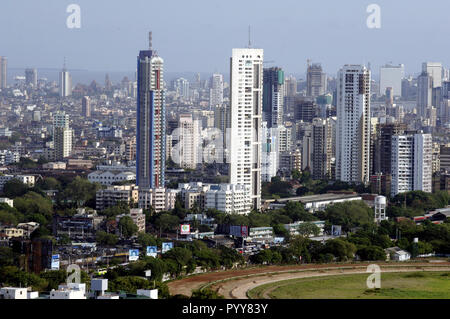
293	228
86	106
434	69
316	80
424	93
353	125
246	117
13	293
187	152
380	208
397	254
3	71
9	157
216	90
314	203
26	179
7	201
62	135
31	77
54	165
151	130
65	83
391	76
411	163
273	96
110	177
160	199
138	217
269	153
228	198
113	194
322	148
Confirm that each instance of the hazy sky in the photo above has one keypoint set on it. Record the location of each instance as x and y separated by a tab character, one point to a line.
198	35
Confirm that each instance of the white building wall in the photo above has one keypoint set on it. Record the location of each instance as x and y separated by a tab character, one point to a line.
246	117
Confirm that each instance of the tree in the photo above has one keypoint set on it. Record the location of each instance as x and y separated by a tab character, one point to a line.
54	278
129	284
340	248
180	255
48	183
167	222
80	191
307	229
15	188
127	227
105	238
371	253
146	240
6	256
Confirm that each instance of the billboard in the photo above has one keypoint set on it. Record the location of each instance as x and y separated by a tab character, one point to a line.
185	229
166	247
133	254
239	231
152	251
55	262
336	230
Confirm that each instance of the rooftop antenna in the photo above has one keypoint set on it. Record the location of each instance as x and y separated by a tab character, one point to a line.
249	38
150	40
64	65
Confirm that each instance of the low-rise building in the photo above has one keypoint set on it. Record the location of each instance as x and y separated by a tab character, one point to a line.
110	177
293	228
114	194
137	216
26	179
264	234
160	199
229	198
396	253
314	203
8	201
54	165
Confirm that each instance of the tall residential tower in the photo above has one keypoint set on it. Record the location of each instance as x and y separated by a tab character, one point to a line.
246	116
151	132
353	126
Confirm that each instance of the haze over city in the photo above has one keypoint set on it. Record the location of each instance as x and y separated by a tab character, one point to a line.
196	36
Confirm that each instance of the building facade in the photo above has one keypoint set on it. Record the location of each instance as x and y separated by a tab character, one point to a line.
246	119
353	124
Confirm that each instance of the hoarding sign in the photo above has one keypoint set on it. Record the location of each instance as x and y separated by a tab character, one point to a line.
133	255
185	229
152	251
55	262
166	247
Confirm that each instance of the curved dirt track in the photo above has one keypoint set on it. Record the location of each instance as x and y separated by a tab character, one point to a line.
234	284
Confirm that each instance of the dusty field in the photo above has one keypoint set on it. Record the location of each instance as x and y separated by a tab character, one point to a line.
237	288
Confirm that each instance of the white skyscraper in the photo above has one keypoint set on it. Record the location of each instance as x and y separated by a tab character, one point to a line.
246	117
216	90
411	163
391	76
435	70
353	126
65	83
186	152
